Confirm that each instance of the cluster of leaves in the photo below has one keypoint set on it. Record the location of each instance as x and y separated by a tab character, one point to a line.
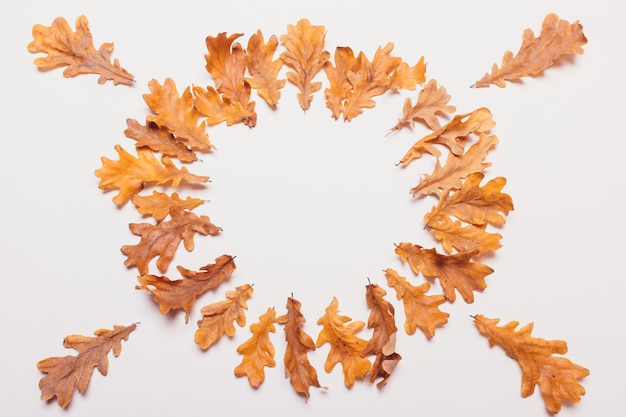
462	221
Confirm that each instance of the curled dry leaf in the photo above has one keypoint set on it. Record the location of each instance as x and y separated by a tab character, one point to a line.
556	376
557	38
421	310
258	351
158	139
160	205
76	51
264	69
218	318
182	293
66	374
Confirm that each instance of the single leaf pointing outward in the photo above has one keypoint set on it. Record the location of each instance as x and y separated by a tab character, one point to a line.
182	293
557	38
160	205
340	86
75	50
298	369
432	99
263	69
158	139
218	318
345	345
258	351
66	374
556	376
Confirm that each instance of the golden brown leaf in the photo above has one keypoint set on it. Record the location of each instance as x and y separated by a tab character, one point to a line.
218	109
76	51
182	293
557	38
66	374
345	345
556	376
178	114
298	369
158	139
337	92
421	310
218	318
131	174
160	205
432	99
406	77
305	54
453	234
383	341
162	240
455	272
258	351
263	69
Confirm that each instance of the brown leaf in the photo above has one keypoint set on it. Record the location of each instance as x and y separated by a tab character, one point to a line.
158	139
182	293
406	77
432	99
66	374
75	50
556	376
258	351
218	318
557	38
340	87
160	205
263	69
218	109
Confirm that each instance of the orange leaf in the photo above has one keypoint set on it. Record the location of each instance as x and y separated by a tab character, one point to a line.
345	63
263	69
219	109
345	345
405	77
305	54
182	293
218	318
258	351
68	373
177	114
556	376
432	99
455	272
469	238
130	175
75	50
421	310
160	205
163	239
158	139
557	38
298	369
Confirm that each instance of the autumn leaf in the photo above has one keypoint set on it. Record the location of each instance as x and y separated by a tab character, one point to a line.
160	205
298	369
305	54
263	69
556	376
131	174
421	310
258	351
218	109
345	345
557	38
340	87
455	272
226	62
383	341
76	51
158	139
182	293
162	240
465	238
218	318
431	100
406	77
66	374
178	114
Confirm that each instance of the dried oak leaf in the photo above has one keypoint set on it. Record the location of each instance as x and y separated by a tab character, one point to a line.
455	272
218	109
258	351
130	174
305	54
163	239
182	293
263	69
345	345
557	38
556	376
160	205
158	139
421	310
431	99
178	114
76	51
218	318
383	341
66	374
340	87
298	369
226	62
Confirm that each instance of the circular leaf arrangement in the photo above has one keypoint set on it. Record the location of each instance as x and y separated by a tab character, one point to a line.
462	221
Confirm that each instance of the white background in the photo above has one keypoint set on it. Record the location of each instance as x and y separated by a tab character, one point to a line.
313	206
